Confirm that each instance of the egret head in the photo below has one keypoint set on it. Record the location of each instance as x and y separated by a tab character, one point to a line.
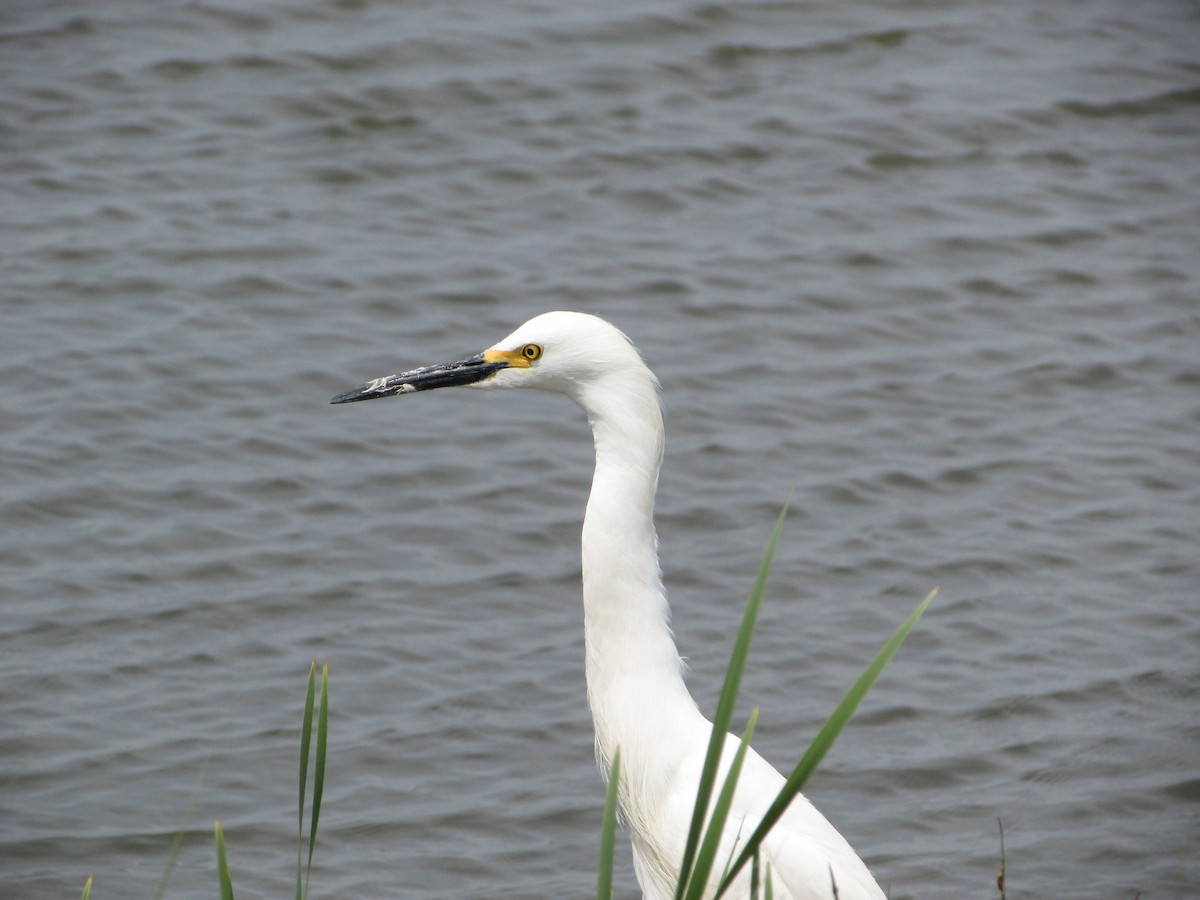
568	352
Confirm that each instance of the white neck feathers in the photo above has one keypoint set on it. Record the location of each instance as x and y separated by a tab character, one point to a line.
635	684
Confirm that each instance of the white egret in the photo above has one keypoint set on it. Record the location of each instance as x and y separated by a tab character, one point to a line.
634	674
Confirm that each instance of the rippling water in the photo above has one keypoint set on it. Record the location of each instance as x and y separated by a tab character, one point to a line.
933	264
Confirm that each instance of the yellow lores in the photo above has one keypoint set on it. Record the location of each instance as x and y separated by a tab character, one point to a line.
521	358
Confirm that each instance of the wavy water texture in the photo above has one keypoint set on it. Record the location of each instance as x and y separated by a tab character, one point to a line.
933	265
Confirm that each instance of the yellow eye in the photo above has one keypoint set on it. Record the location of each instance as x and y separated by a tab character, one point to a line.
531	351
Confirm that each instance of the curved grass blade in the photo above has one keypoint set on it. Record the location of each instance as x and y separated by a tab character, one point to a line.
725	705
318	770
223	876
305	744
608	830
87	888
706	857
824	740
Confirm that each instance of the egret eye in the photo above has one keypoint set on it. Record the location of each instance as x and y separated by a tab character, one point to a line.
531	351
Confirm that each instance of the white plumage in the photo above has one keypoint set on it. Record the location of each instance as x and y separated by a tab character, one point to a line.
634	680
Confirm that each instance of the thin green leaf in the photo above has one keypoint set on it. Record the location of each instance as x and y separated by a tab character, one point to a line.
223	876
177	844
172	857
754	862
825	737
706	857
305	743
769	894
725	705
608	830
732	850
87	889
319	770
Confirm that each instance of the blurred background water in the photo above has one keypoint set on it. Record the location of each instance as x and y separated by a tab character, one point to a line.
934	264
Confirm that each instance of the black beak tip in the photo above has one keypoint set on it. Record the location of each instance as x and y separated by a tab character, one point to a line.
467	371
367	392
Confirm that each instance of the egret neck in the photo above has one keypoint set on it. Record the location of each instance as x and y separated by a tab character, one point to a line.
634	674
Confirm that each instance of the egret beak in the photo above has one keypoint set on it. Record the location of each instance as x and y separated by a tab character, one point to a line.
465	371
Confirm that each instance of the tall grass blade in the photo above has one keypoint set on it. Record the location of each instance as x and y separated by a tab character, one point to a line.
608	830
824	740
318	771
305	743
725	705
223	876
177	844
87	888
706	857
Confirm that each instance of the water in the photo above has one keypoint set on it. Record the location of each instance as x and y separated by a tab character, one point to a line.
934	265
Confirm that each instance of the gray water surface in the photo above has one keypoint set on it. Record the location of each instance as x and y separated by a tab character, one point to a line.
934	265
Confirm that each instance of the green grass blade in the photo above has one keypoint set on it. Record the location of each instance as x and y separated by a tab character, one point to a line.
223	876
87	888
754	862
706	857
305	743
825	737
608	830
177	844
725	705
319	770
172	857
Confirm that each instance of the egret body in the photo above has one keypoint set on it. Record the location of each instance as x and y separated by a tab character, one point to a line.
635	686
